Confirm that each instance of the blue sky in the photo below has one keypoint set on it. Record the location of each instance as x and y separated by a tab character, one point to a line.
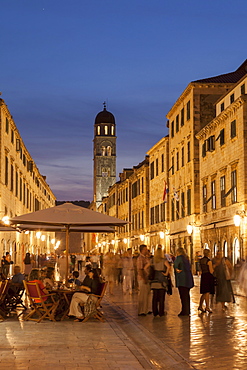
60	60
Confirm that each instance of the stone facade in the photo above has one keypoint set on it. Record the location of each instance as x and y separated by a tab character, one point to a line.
23	189
223	170
158	231
191	112
204	166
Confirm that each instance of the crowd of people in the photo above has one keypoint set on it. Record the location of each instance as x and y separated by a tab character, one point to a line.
140	272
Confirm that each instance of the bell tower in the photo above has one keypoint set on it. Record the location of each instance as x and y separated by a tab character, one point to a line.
104	154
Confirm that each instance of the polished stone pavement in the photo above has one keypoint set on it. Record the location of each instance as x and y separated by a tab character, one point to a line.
126	341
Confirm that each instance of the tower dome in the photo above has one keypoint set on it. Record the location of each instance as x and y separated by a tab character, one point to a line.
104	117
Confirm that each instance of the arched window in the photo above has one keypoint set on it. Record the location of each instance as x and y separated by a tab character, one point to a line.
98	130
109	151
106	130
103	151
112	130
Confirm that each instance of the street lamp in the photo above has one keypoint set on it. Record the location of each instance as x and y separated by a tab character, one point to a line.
189	229
237	220
162	235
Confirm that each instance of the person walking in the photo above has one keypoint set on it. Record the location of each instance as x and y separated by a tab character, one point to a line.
160	283
222	271
144	296
27	264
184	280
207	281
110	270
128	271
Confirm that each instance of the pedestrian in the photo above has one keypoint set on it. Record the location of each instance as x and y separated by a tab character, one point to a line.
110	270
72	262
27	264
144	296
135	256
197	263
207	281
159	285
184	280
128	271
223	271
62	267
242	279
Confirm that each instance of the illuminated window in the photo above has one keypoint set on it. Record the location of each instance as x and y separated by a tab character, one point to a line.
112	130
106	130
109	151
98	130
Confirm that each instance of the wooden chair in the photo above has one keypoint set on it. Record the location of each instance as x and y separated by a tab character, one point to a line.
4	287
93	305
42	306
14	297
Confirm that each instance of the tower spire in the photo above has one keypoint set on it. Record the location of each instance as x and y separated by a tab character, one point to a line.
104	105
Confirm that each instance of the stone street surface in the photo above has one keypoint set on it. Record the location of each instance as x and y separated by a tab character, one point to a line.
126	341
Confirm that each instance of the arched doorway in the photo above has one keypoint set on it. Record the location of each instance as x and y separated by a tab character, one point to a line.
225	249
236	251
215	250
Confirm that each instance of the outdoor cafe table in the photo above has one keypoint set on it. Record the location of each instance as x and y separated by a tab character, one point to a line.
64	298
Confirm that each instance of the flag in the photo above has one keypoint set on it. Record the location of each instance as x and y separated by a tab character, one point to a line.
175	194
165	193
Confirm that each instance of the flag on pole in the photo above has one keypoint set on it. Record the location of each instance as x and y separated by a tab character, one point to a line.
175	194
166	190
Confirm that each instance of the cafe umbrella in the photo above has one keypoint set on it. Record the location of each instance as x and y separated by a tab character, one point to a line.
70	217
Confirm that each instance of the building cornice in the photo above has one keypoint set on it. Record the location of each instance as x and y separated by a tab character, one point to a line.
229	111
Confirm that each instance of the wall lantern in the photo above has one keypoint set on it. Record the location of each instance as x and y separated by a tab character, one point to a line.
142	237
189	229
237	220
162	235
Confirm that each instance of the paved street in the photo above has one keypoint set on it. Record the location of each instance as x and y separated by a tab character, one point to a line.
126	341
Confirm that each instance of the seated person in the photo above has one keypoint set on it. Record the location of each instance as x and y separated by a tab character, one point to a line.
34	277
18	277
16	284
92	285
74	278
43	274
48	281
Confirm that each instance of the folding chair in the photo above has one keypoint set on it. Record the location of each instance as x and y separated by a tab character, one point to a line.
4	287
14	296
43	306
93	305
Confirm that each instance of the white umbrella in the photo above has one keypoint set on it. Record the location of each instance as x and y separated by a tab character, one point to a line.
69	217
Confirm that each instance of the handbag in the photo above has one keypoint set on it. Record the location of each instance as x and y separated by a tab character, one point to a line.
151	273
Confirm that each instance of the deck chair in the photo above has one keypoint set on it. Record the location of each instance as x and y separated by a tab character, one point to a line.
92	306
42	306
4	287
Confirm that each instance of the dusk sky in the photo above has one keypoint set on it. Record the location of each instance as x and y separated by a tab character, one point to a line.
60	60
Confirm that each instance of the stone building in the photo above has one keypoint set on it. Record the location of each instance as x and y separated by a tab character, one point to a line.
158	198
192	111
104	154
23	189
223	173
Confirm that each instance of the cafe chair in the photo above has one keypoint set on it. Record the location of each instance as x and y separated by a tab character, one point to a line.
42	306
4	287
92	307
14	297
